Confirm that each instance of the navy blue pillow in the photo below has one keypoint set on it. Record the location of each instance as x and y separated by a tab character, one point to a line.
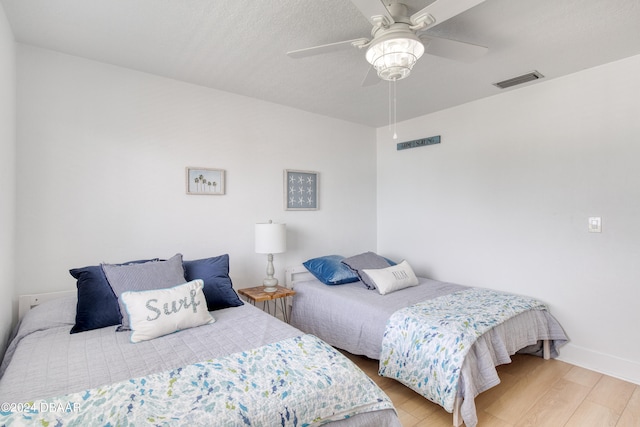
218	289
97	304
330	270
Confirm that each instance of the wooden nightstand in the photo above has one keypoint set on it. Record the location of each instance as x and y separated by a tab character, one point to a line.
257	294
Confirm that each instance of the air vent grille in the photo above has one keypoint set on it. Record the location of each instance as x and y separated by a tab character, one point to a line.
534	75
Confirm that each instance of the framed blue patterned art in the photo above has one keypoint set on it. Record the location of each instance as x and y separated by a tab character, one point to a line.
301	190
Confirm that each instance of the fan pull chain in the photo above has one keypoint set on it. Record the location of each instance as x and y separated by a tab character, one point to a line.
395	110
390	114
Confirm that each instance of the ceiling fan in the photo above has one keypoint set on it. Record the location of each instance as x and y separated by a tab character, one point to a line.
398	39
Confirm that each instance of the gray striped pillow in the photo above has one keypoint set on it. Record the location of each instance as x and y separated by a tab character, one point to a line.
143	277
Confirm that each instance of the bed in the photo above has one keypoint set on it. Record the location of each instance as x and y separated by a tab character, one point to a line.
365	322
242	367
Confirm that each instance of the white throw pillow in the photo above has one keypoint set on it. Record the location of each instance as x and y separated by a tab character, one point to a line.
163	311
393	278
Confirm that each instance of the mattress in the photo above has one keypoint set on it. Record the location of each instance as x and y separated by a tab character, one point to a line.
43	360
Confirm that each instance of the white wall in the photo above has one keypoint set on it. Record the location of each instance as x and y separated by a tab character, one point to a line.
503	202
102	153
7	175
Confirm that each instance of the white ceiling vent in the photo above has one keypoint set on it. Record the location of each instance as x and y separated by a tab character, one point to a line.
525	78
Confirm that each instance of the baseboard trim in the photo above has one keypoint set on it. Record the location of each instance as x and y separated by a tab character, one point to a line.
607	364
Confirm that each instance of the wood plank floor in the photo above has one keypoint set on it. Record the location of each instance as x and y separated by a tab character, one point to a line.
533	392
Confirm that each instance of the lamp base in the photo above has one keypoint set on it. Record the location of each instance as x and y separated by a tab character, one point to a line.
270	282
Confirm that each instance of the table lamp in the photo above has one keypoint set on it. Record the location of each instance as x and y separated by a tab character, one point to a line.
270	239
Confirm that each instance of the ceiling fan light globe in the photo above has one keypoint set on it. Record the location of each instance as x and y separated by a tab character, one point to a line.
393	58
394	66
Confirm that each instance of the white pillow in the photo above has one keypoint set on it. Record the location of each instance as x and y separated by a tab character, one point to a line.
162	311
393	278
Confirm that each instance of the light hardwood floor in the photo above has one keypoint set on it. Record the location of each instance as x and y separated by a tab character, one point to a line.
532	392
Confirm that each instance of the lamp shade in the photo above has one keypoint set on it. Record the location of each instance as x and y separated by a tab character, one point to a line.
270	238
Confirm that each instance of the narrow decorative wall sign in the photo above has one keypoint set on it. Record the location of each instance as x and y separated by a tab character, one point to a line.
300	190
205	181
419	142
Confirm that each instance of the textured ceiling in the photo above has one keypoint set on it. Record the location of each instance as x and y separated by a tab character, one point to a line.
240	46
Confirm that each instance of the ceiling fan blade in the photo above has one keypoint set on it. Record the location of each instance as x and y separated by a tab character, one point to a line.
374	8
452	49
326	48
441	10
371	78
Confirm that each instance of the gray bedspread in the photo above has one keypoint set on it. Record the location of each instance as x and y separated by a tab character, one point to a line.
354	319
44	360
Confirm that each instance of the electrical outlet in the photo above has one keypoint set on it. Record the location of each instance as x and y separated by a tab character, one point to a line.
595	224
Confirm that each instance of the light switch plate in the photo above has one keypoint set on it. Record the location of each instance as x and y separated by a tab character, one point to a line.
595	224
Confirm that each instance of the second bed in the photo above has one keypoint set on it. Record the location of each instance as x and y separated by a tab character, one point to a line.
356	319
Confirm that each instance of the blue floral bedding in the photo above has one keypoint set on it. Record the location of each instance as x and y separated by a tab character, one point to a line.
425	344
300	381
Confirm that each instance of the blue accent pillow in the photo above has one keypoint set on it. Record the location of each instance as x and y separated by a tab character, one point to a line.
218	288
97	305
330	270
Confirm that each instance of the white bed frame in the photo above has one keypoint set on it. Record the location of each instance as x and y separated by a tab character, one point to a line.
27	302
299	272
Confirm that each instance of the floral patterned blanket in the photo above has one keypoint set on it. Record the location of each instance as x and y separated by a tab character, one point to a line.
300	381
425	344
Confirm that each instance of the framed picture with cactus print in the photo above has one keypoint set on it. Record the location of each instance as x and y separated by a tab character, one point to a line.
300	190
205	181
